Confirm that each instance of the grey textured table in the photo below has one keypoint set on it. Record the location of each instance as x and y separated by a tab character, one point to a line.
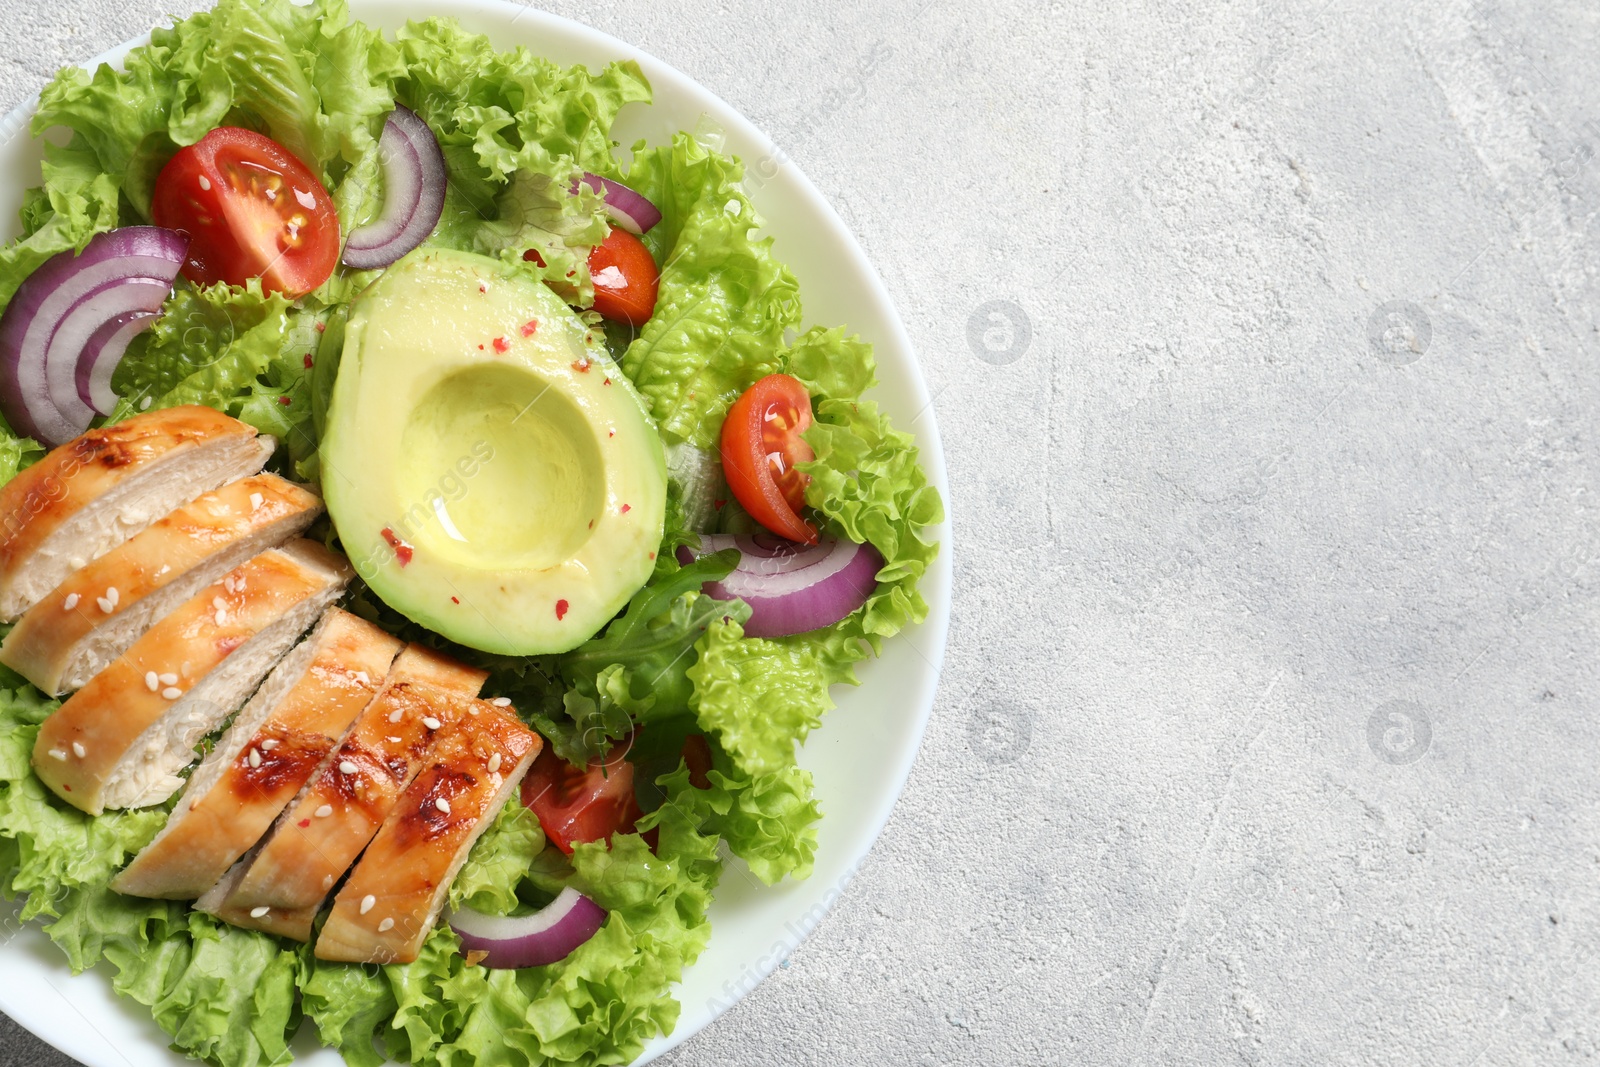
1265	344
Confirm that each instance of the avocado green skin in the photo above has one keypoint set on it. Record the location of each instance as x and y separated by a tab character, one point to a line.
491	474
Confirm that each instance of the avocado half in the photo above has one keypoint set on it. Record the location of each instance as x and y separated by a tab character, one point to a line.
491	474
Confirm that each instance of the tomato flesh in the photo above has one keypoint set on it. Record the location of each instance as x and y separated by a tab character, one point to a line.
577	804
625	278
251	210
761	446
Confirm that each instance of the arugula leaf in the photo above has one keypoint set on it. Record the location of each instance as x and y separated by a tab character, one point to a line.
653	640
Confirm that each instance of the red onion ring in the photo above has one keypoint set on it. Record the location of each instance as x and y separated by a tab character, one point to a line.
66	351
627	209
547	936
414	182
101	355
51	295
792	588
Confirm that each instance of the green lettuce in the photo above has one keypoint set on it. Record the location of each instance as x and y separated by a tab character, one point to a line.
488	881
599	1005
725	302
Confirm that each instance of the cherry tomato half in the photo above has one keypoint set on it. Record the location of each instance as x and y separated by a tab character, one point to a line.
625	278
761	444
577	804
251	210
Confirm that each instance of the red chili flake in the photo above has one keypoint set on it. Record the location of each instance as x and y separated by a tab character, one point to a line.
570	273
608	381
532	256
529	327
304	823
482	288
591	524
308	361
480	348
719	504
502	345
581	365
402	551
561	610
611	433
652	555
455	600
67	787
321	326
285	401
626	507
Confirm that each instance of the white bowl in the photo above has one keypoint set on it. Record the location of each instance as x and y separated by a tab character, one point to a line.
862	754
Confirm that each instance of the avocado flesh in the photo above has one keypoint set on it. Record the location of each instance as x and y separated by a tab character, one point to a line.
491	474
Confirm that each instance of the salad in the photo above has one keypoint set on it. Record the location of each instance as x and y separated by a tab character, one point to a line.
579	456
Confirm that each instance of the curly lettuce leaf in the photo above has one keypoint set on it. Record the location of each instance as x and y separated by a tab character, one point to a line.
867	481
768	820
761	697
488	880
725	302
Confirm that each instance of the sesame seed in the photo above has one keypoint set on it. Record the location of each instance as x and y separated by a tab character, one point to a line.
501	702
107	605
218	603
71	602
324	811
259	913
77	749
394	740
443	805
363	677
255	758
430	722
56	753
494	763
348	768
385	926
144	404
367	902
151	681
269	744
205	183
172	692
394	716
169	679
256	500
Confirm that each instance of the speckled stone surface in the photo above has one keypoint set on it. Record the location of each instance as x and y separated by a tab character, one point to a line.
1266	344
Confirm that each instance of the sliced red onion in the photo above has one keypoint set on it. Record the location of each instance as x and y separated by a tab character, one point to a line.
547	936
627	209
414	182
793	588
68	347
51	296
101	355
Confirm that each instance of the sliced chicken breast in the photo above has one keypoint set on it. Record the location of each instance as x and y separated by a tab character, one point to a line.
97	490
281	885
100	611
393	897
120	741
272	748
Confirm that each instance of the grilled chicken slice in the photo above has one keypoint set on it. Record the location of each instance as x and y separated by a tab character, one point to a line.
98	612
97	490
275	743
393	897
120	741
280	886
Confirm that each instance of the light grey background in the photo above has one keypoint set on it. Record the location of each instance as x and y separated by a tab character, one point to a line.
1267	731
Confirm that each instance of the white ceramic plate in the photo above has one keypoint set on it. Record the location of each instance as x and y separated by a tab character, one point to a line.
863	752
